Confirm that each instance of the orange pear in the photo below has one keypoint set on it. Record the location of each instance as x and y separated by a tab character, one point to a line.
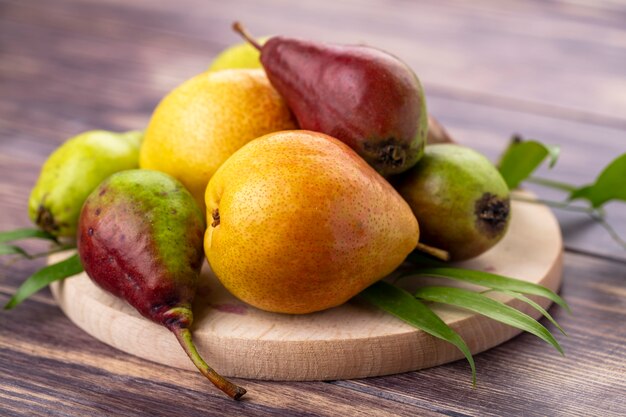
298	223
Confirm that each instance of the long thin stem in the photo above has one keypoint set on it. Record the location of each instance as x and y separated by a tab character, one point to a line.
612	232
596	214
238	27
556	204
184	338
432	251
557	185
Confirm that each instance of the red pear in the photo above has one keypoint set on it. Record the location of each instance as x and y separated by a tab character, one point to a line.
363	96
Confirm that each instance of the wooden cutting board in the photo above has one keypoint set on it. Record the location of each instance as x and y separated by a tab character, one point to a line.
351	341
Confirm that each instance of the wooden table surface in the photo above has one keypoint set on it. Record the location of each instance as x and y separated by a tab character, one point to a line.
555	71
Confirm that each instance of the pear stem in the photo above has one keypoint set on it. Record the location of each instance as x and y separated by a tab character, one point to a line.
184	338
238	27
432	251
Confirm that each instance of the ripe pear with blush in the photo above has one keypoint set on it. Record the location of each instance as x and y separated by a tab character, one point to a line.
361	95
298	223
140	238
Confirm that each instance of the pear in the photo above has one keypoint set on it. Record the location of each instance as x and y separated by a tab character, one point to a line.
460	199
200	123
242	55
363	96
72	172
300	223
140	238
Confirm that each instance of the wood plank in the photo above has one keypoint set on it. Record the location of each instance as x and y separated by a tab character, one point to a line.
70	65
86	377
527	377
426	35
353	340
55	370
59	93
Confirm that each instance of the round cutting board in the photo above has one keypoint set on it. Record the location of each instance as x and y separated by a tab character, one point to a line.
351	341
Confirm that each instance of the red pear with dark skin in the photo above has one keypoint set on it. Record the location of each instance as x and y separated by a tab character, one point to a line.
140	238
363	96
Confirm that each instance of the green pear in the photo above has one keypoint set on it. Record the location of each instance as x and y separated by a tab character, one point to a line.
459	198
73	171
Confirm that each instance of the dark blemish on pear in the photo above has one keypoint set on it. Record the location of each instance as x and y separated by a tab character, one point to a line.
45	220
216	217
492	214
388	153
140	251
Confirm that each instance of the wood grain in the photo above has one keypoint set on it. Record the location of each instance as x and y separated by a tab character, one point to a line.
354	340
550	70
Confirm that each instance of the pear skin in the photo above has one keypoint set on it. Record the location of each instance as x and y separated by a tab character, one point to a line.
73	171
363	96
460	199
298	223
140	238
242	55
200	123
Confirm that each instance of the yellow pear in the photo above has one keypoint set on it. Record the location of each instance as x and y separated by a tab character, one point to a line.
298	222
241	55
198	125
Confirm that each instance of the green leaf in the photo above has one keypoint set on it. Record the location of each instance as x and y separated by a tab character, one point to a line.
489	280
18	234
13	250
610	185
536	306
421	259
44	277
489	307
404	306
522	158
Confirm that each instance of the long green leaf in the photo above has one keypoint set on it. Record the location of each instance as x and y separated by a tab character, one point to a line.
489	307
44	277
522	158
536	306
489	280
404	306
13	250
421	259
25	233
610	184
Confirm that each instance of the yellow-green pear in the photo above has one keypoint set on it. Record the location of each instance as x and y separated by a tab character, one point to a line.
73	171
460	199
241	55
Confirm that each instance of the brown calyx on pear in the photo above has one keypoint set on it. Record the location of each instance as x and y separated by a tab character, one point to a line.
360	95
459	198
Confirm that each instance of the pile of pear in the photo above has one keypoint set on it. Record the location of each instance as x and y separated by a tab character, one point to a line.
302	171
300	220
311	163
